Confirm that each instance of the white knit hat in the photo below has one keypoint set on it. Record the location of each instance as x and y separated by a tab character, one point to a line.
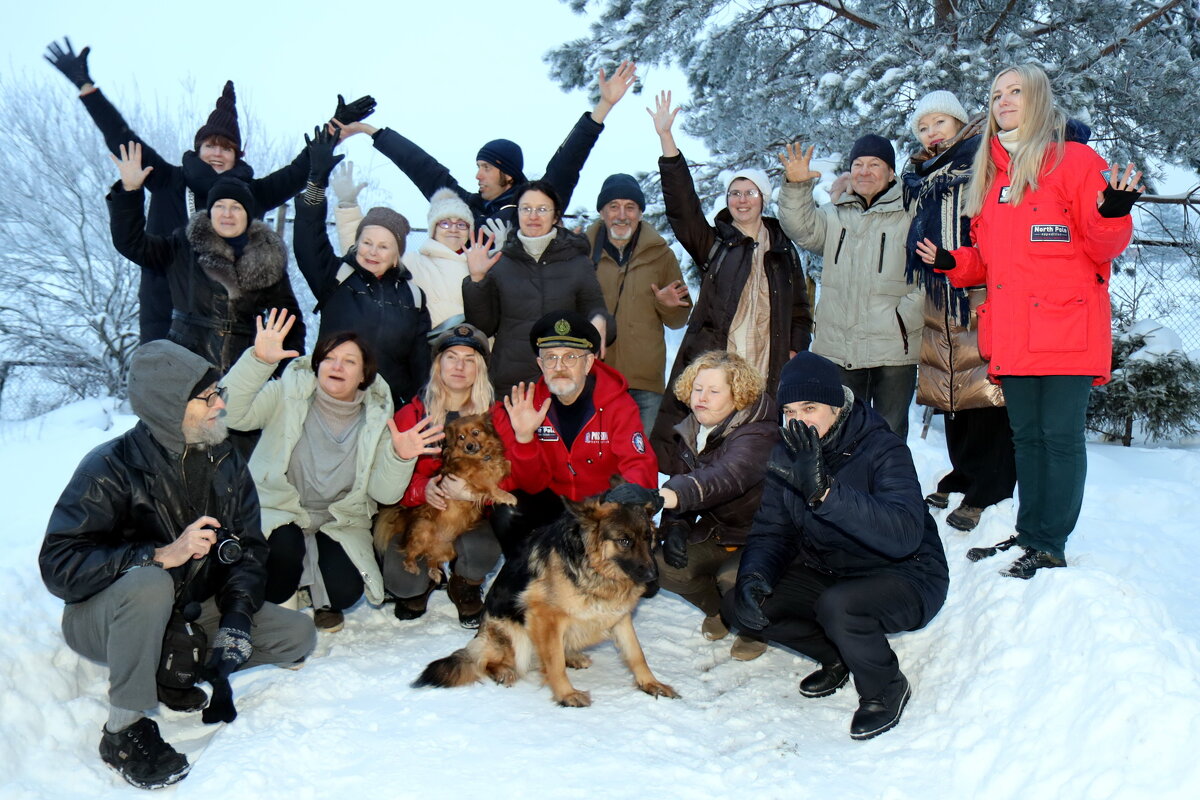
939	102
756	176
446	204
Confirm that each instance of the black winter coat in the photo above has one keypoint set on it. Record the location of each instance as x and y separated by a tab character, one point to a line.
126	498
169	202
873	521
719	488
215	297
562	171
518	291
389	312
724	255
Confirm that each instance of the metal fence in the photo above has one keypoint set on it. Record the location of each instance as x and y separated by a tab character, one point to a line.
31	388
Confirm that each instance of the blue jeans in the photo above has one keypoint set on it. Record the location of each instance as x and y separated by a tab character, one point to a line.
648	403
888	390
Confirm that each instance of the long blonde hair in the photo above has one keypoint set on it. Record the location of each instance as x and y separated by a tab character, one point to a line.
1043	123
479	401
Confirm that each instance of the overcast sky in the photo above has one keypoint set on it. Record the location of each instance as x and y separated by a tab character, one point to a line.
449	76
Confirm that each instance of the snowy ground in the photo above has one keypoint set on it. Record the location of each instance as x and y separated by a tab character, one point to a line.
1079	684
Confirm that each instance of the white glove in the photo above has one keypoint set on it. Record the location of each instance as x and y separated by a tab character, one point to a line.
342	183
499	229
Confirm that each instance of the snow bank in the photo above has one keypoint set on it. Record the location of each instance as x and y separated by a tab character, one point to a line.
1078	684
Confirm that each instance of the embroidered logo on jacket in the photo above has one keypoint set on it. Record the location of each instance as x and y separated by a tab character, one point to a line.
639	443
1003	198
1049	233
596	437
547	433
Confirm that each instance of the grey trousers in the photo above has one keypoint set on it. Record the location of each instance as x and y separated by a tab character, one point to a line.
478	551
123	627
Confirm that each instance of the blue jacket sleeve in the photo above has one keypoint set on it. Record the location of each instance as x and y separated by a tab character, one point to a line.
421	168
562	171
773	542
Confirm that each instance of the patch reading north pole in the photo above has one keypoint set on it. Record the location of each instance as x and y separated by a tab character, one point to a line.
1003	198
1049	233
639	442
547	433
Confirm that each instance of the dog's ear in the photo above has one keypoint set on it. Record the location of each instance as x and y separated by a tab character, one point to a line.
587	510
616	479
488	424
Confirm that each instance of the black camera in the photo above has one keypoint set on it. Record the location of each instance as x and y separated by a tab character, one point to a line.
228	546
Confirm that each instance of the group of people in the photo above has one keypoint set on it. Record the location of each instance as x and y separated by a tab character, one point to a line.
792	511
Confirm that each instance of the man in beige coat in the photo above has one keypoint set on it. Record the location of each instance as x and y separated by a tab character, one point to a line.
643	289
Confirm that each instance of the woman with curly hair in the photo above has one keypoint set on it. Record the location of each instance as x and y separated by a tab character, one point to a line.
710	500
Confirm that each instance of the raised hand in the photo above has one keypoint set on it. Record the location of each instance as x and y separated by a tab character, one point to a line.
664	118
614	88
500	231
268	338
75	67
130	166
343	185
321	159
355	110
522	413
419	440
797	163
1117	199
930	253
673	295
480	257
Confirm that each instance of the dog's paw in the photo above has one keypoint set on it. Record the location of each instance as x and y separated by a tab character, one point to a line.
505	676
656	689
411	567
578	660
504	498
575	699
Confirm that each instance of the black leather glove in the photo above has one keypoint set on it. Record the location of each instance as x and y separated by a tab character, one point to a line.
231	648
355	110
751	590
805	471
321	159
68	63
675	542
1118	202
943	261
630	494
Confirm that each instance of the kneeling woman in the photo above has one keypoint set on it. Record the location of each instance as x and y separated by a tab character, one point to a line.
329	453
458	387
716	483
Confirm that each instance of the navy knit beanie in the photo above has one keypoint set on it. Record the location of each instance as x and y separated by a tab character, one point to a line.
621	187
505	156
873	145
809	377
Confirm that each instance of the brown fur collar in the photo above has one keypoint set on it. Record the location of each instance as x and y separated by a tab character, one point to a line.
263	262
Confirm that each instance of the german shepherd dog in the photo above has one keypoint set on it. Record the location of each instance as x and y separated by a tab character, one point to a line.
575	583
474	452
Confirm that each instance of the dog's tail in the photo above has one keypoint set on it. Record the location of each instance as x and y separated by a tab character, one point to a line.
386	527
456	669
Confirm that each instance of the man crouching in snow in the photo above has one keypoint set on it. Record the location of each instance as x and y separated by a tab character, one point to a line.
842	550
132	538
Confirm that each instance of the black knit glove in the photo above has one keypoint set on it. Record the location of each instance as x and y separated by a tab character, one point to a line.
73	66
630	494
805	470
231	648
321	159
943	261
1118	202
355	110
751	590
675	542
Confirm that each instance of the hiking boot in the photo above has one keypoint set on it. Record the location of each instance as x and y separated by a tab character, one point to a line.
879	714
192	698
938	500
139	754
1033	560
825	681
328	620
746	649
467	597
964	518
413	607
713	628
980	553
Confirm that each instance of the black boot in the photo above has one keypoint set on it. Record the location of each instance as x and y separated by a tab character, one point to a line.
412	607
140	756
878	714
980	553
467	597
192	698
825	681
1025	566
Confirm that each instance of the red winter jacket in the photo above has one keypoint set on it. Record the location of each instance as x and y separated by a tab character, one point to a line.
1046	265
610	442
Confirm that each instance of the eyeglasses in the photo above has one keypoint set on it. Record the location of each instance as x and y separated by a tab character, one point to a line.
210	399
453	224
738	194
567	361
531	211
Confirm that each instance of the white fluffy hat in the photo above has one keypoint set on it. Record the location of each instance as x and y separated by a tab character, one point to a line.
939	102
446	204
756	176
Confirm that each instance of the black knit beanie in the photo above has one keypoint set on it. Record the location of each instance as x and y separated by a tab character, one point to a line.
621	187
809	377
873	145
222	121
505	156
227	188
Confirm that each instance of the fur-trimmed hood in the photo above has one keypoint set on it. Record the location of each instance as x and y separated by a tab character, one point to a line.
263	262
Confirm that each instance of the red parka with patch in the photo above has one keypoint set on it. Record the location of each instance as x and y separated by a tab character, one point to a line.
611	442
1046	263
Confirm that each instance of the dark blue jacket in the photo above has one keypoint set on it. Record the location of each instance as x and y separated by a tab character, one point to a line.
873	521
562	171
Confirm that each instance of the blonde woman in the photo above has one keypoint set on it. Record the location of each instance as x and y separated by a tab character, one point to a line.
1045	226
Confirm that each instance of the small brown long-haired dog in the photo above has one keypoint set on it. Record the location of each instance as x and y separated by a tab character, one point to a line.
474	452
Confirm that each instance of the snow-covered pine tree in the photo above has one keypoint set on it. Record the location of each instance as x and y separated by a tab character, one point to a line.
1154	387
